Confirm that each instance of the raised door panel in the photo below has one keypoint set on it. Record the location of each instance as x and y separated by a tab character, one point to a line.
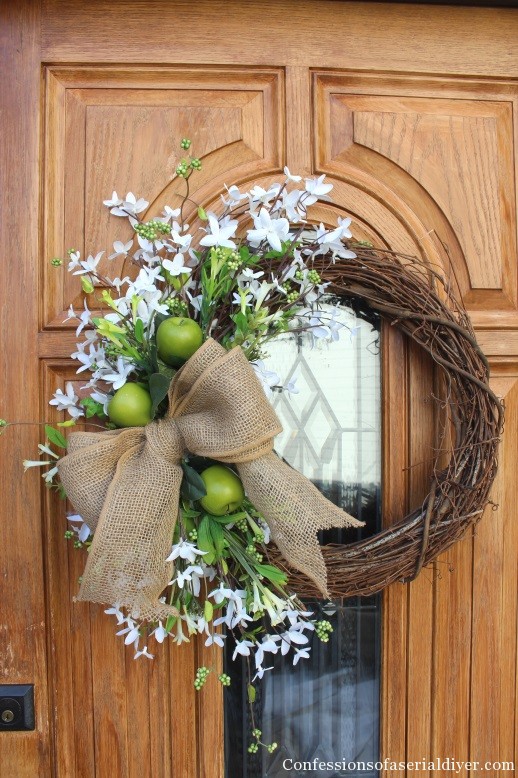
435	157
120	127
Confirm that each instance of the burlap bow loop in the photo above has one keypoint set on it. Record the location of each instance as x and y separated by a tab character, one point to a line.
126	484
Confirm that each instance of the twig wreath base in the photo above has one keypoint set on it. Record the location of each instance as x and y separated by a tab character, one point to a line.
417	299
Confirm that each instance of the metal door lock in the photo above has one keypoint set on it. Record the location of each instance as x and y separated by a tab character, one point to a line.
16	707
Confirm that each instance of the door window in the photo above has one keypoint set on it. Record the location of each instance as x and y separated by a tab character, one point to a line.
326	708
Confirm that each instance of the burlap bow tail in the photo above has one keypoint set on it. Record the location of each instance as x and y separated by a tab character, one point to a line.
126	483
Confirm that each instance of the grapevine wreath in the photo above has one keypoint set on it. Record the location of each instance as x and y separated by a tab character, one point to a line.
190	519
417	299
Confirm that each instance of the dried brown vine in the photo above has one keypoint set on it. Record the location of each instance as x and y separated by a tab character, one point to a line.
418	300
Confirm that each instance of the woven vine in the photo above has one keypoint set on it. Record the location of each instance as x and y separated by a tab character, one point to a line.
418	300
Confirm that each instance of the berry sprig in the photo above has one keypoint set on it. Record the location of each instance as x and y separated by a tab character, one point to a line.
323	630
253	748
202	673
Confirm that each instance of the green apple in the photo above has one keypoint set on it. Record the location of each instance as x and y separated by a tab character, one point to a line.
177	339
225	492
130	406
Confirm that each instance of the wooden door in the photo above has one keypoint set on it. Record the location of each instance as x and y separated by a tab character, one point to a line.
411	111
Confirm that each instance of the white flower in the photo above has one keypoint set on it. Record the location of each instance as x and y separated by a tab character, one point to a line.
114	201
243	648
169	213
83	533
27	463
103	398
291	387
261	293
187	575
216	639
119	375
115	609
180	637
132	633
242	299
292	636
118	282
234	195
218	235
331	240
224	593
120	249
247	278
146	281
268	378
260	672
293	206
160	633
67	401
259	196
89	265
177	266
271	230
95	356
128	207
75	261
291	177
269	644
185	550
317	188
144	652
301	653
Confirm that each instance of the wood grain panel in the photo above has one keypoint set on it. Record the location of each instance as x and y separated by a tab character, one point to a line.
421	429
112	714
494	623
22	615
300	32
449	158
395	479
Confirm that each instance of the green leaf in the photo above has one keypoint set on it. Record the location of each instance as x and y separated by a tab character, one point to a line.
92	408
229	518
218	537
87	285
158	388
192	487
272	573
204	541
139	331
171	621
208	611
202	214
251	692
55	436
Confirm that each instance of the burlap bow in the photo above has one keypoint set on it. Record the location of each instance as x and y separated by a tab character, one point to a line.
126	483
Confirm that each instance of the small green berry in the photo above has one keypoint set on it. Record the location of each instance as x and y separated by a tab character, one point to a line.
56	262
185	143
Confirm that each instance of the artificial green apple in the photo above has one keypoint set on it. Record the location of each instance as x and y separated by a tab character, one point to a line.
225	492
130	406
177	339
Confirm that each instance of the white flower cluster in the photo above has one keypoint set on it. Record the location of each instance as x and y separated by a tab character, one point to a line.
165	255
239	607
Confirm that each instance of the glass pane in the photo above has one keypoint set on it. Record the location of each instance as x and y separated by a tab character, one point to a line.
326	708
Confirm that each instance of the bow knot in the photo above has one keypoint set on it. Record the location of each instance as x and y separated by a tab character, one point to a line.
126	483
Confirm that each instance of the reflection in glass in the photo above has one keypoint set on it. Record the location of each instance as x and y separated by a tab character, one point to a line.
326	707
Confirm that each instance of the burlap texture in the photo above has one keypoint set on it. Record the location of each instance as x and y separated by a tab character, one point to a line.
126	484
